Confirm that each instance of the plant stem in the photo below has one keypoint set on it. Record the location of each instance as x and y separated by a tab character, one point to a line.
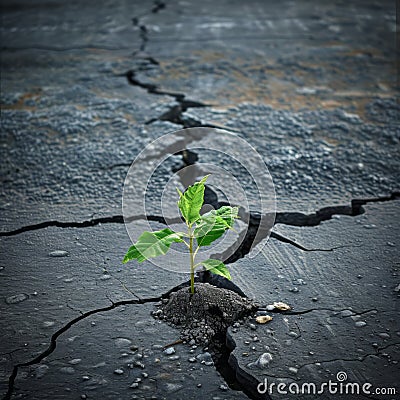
191	261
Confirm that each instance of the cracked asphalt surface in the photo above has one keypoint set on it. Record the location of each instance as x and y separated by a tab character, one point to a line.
85	86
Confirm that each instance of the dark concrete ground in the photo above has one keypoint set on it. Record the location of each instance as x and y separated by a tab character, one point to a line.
85	86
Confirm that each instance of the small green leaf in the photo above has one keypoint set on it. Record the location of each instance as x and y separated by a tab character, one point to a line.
152	244
191	201
213	224
216	267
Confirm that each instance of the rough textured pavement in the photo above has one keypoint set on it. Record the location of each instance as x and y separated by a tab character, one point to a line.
86	85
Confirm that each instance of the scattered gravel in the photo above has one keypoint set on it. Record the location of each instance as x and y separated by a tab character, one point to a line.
58	253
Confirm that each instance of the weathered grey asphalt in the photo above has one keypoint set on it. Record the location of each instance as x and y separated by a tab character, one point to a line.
85	86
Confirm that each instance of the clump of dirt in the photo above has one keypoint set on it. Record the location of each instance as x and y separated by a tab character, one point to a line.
204	314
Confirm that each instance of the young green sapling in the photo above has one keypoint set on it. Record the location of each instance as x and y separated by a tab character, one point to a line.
202	230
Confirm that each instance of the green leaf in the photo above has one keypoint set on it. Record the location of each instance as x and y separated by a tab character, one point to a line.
216	267
213	224
152	244
191	201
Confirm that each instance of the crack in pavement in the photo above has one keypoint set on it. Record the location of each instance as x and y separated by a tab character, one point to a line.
358	359
137	301
53	340
326	213
157	6
301	220
74	309
284	239
115	219
246	242
175	113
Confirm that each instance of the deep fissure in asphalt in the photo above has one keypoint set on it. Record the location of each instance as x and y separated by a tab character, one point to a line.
285	218
53	340
175	114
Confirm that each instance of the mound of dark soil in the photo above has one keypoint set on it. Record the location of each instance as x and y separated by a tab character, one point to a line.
204	314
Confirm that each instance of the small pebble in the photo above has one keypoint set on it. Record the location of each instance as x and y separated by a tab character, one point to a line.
263	361
263	319
134	385
67	370
224	388
205	358
199	385
369	226
58	253
169	351
293	370
384	335
18	298
192	360
360	324
119	371
346	313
